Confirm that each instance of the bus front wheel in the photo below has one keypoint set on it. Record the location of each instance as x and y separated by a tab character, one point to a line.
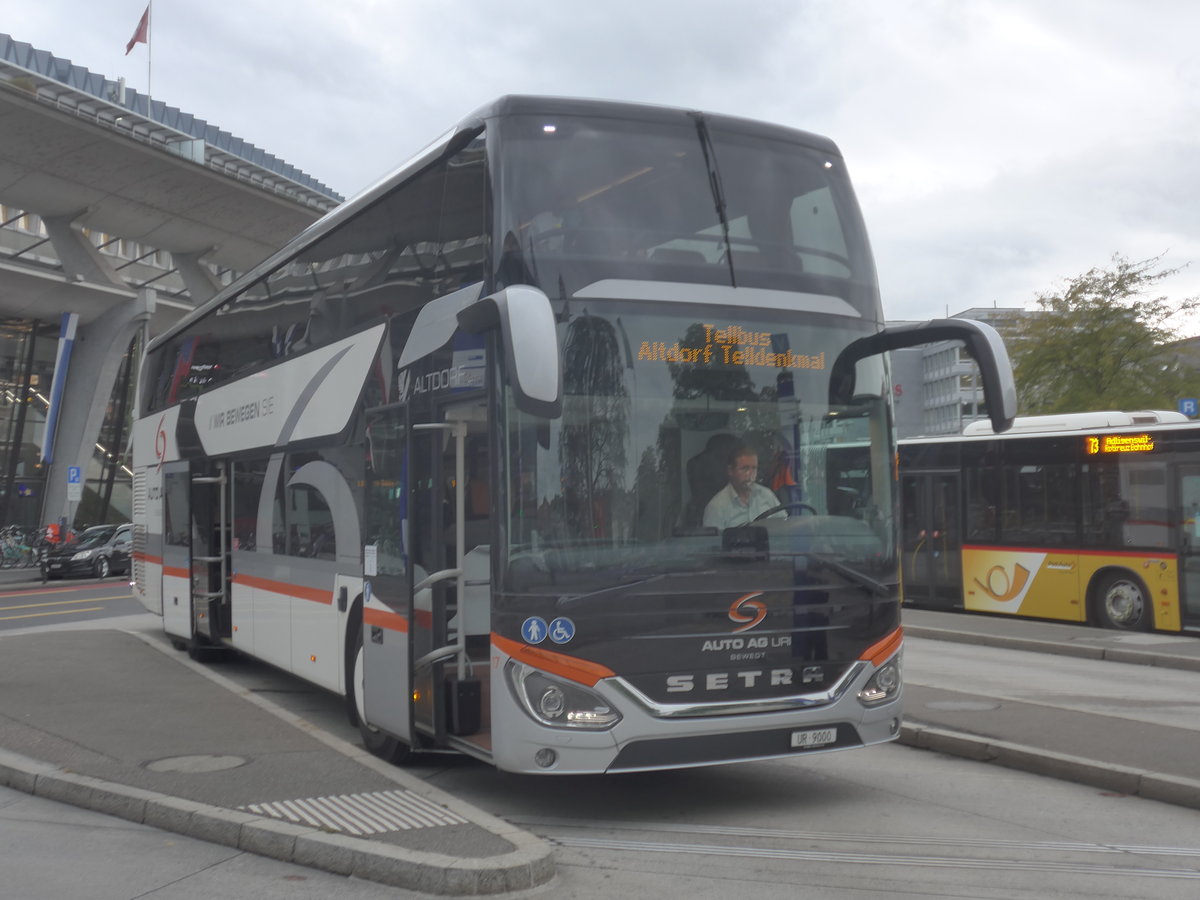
1122	602
377	743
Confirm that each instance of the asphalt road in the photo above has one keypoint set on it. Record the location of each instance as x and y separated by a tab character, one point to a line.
62	602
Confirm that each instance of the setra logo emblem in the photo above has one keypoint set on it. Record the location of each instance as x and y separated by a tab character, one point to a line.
746	612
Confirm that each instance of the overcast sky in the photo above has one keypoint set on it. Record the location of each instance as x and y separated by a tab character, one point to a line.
998	147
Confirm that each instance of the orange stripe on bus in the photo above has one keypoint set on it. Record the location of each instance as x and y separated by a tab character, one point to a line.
177	572
570	667
316	595
147	558
878	652
384	618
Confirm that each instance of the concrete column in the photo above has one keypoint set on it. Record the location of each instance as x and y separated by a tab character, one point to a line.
199	280
80	259
95	360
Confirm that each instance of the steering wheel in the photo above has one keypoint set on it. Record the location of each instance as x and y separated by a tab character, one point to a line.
799	507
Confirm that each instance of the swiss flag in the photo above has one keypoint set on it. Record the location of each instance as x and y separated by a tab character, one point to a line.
141	36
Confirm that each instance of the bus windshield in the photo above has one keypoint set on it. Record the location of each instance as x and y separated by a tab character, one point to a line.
661	401
590	198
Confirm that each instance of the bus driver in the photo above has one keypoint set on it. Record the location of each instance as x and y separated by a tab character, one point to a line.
743	499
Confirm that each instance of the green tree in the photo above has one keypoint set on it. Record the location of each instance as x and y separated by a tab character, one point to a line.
1102	343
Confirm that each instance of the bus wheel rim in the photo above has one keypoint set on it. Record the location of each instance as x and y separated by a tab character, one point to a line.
1123	603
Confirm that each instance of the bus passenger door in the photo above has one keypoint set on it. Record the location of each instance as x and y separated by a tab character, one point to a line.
412	685
195	589
386	622
177	550
451	566
1188	502
931	539
211	535
431	556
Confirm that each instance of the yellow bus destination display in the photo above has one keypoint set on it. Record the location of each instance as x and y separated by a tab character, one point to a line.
731	345
1119	443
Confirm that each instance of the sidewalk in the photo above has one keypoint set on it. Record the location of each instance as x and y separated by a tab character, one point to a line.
27	575
93	718
1115	754
1174	651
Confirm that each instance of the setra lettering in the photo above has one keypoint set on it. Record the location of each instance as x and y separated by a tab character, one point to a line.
715	682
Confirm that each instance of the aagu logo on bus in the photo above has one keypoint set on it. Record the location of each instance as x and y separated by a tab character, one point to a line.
746	612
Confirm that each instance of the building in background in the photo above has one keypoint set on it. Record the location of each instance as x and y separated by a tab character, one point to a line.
937	387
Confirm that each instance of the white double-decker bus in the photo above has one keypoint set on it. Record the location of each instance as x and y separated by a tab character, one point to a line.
448	452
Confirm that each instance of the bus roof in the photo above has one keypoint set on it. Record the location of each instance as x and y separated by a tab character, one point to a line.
1088	421
526	104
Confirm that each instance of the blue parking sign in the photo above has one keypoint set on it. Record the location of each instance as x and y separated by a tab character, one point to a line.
74	475
1189	406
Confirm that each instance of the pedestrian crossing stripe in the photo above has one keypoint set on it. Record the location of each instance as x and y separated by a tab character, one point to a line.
378	812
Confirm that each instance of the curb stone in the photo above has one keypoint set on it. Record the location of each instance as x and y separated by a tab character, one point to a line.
1107	776
432	873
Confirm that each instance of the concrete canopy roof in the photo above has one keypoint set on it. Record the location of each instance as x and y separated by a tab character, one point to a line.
56	164
73	147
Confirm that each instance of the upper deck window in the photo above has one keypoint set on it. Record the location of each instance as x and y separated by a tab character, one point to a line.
424	238
584	198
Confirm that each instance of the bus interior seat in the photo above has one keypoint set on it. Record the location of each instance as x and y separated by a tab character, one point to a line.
676	255
771	258
745	259
706	474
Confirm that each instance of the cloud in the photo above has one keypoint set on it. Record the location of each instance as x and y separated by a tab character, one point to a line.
1025	231
997	146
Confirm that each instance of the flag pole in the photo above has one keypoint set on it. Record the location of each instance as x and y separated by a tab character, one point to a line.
149	49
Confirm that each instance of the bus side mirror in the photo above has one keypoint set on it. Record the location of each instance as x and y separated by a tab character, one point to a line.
982	341
530	343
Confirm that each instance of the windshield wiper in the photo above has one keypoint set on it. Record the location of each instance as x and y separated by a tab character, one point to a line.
572	599
714	185
631	578
878	588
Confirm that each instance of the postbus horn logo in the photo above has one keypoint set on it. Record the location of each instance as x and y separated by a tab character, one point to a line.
747	612
1002	588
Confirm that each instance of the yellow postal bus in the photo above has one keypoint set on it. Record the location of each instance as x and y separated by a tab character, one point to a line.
1089	517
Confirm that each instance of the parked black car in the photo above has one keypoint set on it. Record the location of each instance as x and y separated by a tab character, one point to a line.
98	551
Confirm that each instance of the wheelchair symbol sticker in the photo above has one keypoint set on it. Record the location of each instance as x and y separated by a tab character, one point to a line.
533	629
562	630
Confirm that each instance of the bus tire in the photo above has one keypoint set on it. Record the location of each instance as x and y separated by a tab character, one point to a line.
1122	602
384	746
199	650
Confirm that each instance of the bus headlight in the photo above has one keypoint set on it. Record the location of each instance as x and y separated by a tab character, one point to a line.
884	685
557	703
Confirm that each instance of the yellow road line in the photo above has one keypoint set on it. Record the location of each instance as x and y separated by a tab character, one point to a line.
65	602
59	612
